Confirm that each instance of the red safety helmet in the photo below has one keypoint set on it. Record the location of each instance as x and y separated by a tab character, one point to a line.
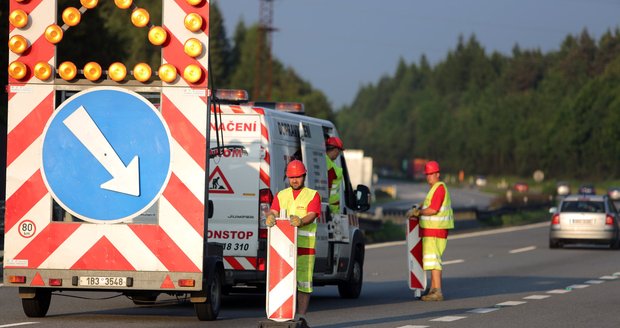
431	167
335	142
295	168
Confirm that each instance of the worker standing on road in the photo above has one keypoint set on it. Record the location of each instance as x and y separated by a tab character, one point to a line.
436	218
303	205
333	149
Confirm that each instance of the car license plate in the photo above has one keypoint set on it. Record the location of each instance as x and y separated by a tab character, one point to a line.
582	221
103	281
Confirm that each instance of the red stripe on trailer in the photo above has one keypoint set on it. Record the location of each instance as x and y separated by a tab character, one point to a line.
27	6
184	132
28	195
103	255
186	203
164	248
29	129
46	242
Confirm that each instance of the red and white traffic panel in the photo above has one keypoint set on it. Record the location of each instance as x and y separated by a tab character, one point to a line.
281	271
417	275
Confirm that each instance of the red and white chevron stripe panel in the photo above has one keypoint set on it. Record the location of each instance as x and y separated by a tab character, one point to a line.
240	263
175	244
281	271
417	275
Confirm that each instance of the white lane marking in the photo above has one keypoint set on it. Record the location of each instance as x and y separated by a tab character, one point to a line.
558	291
510	303
578	286
521	250
18	324
448	318
594	282
616	274
608	277
470	234
483	310
536	297
453	262
411	326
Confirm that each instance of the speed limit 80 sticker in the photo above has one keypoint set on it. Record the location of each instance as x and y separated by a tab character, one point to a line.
27	228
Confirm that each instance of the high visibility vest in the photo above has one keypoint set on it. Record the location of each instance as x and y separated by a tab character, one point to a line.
444	219
334	189
306	235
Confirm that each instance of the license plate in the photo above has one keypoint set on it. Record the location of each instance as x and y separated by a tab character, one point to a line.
582	221
103	281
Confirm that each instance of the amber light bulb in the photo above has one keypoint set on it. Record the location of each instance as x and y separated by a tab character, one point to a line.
157	35
192	47
67	70
117	71
194	2
167	73
92	71
142	72
193	22
71	16
140	17
18	70
89	4
18	18
53	33
18	44
192	73
123	4
42	71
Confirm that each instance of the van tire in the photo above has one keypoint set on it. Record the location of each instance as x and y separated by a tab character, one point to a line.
352	288
37	307
209	310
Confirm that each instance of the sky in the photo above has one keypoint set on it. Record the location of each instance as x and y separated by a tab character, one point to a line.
340	45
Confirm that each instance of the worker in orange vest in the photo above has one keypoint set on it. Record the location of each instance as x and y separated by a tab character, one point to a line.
303	206
436	219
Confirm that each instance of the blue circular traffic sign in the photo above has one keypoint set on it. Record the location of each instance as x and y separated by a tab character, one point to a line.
106	155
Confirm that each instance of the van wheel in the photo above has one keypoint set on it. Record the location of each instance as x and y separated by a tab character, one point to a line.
353	286
37	307
209	310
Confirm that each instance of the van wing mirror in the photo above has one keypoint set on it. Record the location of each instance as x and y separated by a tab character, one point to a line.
362	198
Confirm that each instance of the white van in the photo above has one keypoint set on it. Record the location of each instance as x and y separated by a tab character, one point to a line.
250	150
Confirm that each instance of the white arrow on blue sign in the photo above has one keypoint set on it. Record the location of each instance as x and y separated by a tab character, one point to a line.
106	155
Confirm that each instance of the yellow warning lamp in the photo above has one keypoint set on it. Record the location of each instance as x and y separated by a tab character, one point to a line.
18	44
140	17
18	70
192	73
117	71
71	16
193	22
194	2
92	71
53	33
18	18
123	4
89	4
192	47
142	72
157	35
42	71
67	71
167	73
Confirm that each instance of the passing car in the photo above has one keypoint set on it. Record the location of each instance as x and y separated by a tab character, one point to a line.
589	219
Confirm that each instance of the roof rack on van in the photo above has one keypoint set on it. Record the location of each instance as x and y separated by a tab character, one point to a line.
291	107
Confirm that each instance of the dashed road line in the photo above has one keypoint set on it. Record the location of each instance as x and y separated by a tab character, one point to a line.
483	310
608	277
536	297
411	326
448	318
521	250
559	291
594	282
18	324
453	262
509	303
578	286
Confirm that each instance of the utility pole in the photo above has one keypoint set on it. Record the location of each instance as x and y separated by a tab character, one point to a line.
263	65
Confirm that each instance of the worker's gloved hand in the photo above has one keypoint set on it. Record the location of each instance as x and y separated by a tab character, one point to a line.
271	220
295	220
413	212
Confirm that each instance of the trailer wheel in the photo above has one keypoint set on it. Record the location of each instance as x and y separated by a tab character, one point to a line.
353	286
37	307
209	310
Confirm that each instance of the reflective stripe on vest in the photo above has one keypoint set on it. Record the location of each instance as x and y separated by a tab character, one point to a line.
444	219
334	189
306	235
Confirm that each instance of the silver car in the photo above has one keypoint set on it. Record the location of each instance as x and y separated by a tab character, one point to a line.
584	219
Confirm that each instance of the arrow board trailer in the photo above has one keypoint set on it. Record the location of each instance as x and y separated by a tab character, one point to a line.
259	141
106	180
